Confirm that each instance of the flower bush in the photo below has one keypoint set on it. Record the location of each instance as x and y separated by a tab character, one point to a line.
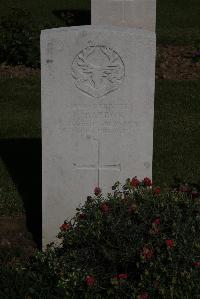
137	242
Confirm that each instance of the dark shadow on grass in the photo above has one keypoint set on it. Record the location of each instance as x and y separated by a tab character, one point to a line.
74	17
22	158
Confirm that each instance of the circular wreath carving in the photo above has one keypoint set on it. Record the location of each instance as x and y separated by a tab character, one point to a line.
98	70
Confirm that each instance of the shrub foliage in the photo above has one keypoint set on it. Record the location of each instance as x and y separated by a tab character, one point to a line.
138	242
19	39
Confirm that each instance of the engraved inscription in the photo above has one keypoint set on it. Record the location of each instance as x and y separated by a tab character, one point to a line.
98	70
101	118
95	119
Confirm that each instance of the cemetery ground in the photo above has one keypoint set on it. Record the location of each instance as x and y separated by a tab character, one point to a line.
176	148
176	131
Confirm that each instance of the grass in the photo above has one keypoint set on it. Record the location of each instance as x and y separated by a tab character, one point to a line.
10	201
178	21
20	102
43	12
20	130
176	132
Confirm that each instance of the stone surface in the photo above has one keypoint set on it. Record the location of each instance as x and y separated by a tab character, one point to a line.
97	114
131	13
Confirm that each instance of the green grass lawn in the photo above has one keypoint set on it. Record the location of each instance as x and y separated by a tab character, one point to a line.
19	143
176	132
178	21
42	12
20	104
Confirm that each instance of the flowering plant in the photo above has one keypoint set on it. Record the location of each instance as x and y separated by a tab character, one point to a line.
137	242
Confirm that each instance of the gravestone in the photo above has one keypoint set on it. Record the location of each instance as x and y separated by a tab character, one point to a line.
131	13
97	114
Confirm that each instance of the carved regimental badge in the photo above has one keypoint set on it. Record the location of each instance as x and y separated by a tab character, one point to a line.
98	70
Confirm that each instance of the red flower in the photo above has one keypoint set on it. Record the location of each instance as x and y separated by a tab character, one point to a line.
123	276
194	194
147	253
147	182
104	208
82	216
157	191
169	243
90	280
97	191
118	279
183	188
144	296
155	230
135	182
156	221
196	264
65	226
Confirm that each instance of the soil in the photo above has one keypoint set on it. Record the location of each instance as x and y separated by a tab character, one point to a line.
173	63
15	239
18	71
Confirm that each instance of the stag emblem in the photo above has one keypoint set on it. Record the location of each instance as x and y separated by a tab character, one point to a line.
98	70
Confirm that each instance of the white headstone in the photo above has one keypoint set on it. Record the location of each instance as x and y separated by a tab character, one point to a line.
97	114
131	13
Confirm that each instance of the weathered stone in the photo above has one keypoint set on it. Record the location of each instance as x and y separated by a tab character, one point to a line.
97	114
131	13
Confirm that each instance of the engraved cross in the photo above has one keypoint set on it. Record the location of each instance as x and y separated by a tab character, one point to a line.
98	165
